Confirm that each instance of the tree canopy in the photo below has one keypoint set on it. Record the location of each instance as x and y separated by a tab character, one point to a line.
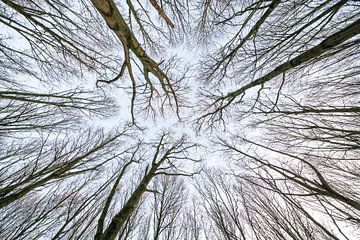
188	120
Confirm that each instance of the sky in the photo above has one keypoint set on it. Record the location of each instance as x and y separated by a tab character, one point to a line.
192	54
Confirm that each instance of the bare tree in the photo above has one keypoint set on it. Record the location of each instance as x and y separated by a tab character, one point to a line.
26	111
163	162
62	180
296	102
282	77
303	182
65	38
47	182
285	39
166	206
239	210
50	160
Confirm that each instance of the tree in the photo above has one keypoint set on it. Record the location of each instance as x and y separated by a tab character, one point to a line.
294	68
162	163
239	210
26	111
49	160
76	207
48	29
80	81
166	209
311	33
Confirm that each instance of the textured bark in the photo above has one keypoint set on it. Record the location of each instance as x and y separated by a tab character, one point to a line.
114	20
162	13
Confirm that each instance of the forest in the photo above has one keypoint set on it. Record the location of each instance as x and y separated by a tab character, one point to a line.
180	119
